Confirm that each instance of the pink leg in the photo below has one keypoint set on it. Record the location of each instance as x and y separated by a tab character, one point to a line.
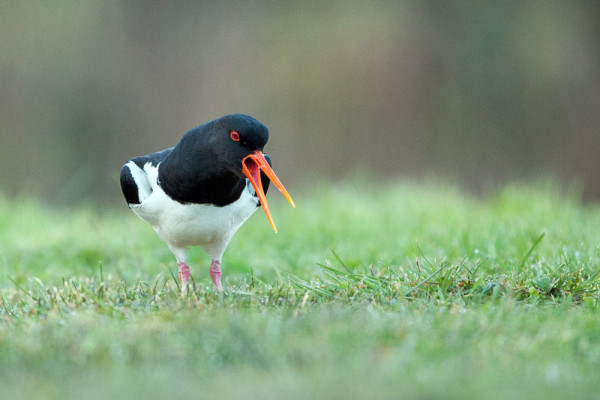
184	275
215	273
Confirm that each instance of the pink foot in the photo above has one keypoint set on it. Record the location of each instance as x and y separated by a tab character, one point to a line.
215	273
184	275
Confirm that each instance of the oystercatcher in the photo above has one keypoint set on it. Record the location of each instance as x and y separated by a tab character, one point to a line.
201	191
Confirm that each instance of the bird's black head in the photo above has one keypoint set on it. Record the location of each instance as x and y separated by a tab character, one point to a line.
234	137
211	162
238	141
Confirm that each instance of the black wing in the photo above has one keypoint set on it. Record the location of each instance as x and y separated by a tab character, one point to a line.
134	181
263	178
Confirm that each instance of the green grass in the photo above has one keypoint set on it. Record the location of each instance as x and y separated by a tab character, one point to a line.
404	291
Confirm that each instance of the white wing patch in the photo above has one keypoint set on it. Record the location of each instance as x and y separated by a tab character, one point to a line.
145	179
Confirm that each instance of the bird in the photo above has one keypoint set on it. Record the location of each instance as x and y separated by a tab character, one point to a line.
202	190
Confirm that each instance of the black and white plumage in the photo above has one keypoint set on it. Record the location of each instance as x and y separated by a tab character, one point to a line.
201	191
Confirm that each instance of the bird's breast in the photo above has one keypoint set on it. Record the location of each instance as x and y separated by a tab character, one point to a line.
190	224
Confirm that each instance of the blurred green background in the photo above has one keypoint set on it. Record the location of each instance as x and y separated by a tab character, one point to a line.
474	92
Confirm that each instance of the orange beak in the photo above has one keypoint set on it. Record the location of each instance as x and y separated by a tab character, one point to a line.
251	167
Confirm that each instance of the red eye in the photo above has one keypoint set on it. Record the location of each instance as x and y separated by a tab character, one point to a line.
235	136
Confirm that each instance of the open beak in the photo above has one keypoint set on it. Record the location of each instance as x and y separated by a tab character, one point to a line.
251	167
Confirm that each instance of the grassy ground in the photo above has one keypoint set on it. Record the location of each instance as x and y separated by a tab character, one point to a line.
406	291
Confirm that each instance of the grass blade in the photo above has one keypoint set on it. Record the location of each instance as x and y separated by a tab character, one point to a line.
342	262
426	280
533	246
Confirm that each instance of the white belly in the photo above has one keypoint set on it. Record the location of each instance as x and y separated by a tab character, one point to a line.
184	225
